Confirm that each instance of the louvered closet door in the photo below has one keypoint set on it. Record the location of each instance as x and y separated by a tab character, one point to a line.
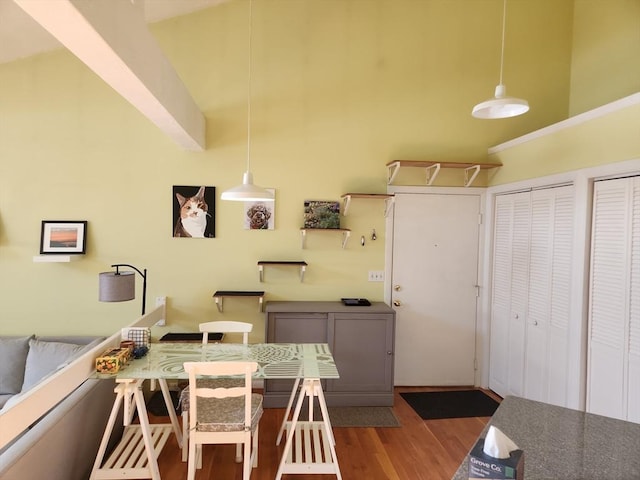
533	243
613	379
509	293
548	311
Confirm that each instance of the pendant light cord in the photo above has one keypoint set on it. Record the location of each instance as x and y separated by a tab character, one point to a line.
249	88
504	23
501	105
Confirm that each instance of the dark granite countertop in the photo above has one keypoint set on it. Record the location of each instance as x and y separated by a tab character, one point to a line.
560	443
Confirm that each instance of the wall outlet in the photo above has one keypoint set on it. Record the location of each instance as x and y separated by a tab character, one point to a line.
376	275
161	301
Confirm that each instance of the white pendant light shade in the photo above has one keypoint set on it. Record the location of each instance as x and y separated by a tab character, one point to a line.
501	106
247	192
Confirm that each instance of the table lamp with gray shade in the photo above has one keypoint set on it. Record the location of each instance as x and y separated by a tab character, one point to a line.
121	286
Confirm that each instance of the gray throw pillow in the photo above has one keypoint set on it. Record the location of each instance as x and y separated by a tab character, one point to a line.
13	357
45	358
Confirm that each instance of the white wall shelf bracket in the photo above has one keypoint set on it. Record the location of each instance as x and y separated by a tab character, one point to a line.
346	201
345	236
468	180
431	173
471	170
303	268
219	301
348	197
392	171
262	264
388	205
346	233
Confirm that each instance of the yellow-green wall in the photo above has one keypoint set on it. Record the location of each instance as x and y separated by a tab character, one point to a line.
614	137
605	67
605	64
340	88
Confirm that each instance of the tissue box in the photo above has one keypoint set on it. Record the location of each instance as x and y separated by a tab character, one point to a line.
111	361
483	466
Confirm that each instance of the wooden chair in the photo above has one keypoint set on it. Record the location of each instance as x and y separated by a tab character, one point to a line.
223	415
226	327
206	328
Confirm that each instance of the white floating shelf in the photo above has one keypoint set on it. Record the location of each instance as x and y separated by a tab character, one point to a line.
55	258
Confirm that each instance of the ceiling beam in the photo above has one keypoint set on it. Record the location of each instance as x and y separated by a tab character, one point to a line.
111	37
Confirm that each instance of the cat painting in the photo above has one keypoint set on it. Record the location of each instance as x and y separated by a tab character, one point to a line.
192	214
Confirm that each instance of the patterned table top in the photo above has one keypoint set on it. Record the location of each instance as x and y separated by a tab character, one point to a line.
275	360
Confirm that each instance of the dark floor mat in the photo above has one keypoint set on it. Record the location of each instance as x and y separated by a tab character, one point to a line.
451	404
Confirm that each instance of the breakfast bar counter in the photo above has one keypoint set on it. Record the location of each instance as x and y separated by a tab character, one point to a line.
563	443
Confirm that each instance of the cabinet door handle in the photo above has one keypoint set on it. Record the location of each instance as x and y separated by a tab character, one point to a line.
389	353
397	303
397	288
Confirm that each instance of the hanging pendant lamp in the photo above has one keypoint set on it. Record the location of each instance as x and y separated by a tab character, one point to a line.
248	192
501	106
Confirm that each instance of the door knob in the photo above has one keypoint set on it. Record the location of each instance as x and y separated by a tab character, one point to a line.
396	288
397	303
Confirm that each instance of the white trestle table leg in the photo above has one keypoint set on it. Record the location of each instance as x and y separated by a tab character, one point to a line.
311	387
292	397
171	409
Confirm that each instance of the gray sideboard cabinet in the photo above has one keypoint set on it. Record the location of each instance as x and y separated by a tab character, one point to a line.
361	340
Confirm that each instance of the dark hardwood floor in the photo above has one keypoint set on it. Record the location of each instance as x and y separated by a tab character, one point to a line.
418	450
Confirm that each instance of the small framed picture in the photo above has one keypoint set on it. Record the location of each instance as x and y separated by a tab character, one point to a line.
194	211
260	215
63	237
321	214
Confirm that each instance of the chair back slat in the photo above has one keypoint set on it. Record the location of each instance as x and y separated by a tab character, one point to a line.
220	392
225	326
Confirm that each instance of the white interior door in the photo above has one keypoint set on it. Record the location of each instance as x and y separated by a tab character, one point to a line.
434	278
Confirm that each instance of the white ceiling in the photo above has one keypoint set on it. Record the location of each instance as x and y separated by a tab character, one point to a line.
21	36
